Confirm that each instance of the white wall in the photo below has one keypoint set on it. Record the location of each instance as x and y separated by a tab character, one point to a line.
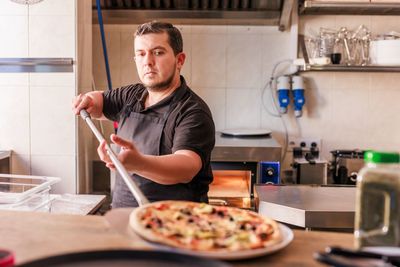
36	121
228	66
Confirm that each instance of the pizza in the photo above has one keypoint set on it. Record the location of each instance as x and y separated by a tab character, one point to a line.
202	227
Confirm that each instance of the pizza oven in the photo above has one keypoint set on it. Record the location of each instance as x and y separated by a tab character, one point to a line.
238	163
233	184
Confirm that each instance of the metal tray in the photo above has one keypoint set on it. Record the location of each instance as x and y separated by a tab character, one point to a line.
17	188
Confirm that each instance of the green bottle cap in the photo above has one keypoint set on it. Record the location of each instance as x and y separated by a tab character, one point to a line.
381	157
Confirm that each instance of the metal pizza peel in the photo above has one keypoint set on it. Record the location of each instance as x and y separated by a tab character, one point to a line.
119	218
136	192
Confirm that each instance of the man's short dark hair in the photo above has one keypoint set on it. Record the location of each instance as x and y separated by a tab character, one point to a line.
174	35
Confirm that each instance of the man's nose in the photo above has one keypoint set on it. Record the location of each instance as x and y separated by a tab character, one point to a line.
148	59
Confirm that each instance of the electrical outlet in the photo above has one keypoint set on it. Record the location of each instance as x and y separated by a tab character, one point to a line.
305	142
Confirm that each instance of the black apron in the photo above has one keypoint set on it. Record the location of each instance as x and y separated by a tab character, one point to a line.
145	131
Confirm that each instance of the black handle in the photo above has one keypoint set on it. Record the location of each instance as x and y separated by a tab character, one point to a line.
331	260
394	260
351	253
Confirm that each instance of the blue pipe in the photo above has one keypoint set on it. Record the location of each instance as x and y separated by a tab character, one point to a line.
103	41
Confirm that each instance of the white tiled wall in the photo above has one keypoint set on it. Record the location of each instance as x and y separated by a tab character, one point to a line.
36	119
62	166
52	121
51	36
208	58
14	119
14	32
228	67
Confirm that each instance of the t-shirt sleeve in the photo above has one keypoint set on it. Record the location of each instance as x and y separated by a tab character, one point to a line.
115	100
195	132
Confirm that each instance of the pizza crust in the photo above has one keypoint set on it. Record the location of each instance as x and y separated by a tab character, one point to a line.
149	234
142	231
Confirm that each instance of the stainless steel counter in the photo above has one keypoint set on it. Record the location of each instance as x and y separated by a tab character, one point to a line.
75	204
251	149
308	206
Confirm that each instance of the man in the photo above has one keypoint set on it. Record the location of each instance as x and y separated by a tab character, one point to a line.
166	132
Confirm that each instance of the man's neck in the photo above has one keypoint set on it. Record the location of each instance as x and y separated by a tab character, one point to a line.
156	96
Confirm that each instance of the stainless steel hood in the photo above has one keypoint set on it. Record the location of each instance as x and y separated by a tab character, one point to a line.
203	12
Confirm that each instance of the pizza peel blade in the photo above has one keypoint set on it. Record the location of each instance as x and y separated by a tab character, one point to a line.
137	193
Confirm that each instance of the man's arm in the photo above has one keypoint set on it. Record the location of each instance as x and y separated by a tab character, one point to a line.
179	167
92	102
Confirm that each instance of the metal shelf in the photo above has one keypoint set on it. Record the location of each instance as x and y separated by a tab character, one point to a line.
344	68
311	7
36	65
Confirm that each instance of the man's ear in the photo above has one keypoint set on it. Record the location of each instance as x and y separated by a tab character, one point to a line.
180	60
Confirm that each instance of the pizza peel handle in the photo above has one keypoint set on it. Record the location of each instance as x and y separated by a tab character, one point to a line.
137	193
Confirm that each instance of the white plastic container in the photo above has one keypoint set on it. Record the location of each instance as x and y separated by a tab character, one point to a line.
37	201
25	192
385	52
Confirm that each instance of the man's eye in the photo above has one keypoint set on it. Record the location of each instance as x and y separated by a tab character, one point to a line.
158	53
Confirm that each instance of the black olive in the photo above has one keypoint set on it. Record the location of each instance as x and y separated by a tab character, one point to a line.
158	221
263	236
220	213
178	235
190	220
186	211
148	226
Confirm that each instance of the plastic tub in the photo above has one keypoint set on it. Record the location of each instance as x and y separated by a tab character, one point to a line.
17	188
39	201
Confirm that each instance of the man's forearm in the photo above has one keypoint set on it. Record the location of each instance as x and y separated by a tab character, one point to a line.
169	169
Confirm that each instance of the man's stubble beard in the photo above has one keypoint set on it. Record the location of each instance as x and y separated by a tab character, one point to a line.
163	84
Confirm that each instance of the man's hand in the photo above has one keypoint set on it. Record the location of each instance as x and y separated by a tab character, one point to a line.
128	156
92	102
82	101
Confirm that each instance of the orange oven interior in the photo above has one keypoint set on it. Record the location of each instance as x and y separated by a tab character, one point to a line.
233	184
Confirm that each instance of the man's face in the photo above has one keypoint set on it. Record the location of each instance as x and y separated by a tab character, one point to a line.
156	63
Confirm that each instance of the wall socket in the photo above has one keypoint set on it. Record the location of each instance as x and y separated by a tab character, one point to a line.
307	141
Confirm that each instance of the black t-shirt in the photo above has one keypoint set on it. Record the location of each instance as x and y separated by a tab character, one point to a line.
189	126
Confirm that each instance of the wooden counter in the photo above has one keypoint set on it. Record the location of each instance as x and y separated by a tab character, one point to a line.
36	235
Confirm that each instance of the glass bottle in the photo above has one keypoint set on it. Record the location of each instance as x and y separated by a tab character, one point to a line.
377	214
